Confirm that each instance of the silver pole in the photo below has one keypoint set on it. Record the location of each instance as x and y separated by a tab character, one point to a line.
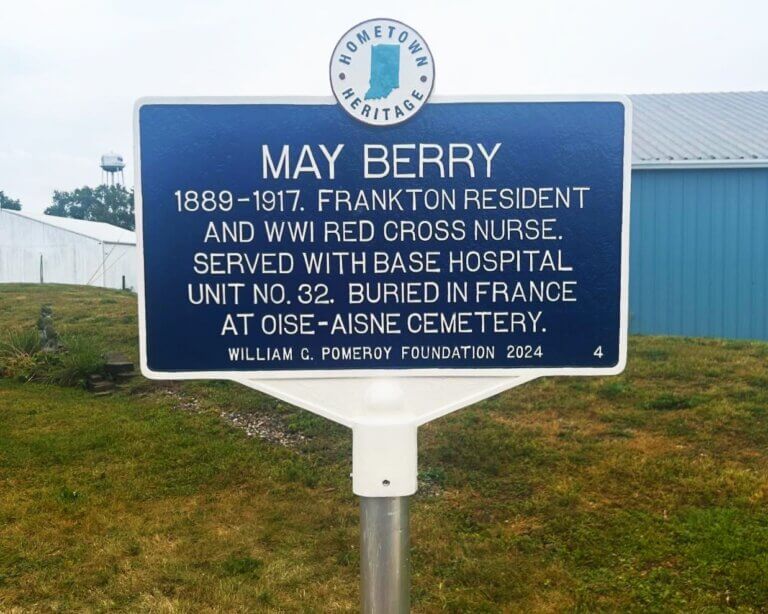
384	555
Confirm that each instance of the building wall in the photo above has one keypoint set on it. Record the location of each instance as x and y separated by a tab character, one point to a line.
122	260
699	253
67	258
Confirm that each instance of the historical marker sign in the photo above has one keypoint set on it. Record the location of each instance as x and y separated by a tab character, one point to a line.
382	258
280	238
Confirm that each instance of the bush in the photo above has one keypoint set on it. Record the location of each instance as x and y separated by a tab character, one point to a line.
22	357
78	359
23	341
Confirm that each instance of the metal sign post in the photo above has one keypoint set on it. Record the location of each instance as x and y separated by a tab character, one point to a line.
385	572
384	475
382	276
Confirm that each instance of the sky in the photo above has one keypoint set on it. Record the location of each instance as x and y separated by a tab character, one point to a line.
70	71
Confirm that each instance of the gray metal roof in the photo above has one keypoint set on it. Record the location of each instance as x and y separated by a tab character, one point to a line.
100	231
717	129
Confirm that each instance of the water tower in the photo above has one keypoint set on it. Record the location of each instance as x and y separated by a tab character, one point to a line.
112	166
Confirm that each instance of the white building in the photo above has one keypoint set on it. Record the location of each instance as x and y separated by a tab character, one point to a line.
37	248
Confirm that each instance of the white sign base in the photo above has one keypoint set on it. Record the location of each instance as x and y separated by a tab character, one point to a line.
384	415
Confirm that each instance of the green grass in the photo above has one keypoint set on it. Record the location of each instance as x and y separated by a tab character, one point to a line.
642	492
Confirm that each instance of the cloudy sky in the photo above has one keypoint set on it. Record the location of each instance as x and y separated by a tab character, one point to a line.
71	70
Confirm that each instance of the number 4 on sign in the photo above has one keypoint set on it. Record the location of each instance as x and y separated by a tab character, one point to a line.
598	351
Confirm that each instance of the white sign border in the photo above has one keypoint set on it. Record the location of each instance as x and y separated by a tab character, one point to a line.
527	372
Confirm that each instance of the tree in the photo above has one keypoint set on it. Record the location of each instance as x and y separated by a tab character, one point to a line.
112	204
6	202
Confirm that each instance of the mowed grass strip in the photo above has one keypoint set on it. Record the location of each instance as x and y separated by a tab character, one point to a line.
642	492
126	503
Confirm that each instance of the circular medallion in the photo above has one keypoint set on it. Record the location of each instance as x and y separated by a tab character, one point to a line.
382	72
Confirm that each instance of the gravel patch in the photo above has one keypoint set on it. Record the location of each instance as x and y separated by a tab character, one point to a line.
265	426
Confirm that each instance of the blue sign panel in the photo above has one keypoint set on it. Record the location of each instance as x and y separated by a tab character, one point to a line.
287	239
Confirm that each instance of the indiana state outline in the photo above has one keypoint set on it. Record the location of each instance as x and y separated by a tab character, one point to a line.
385	71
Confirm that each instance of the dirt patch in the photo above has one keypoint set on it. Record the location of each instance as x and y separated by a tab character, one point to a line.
652	445
266	426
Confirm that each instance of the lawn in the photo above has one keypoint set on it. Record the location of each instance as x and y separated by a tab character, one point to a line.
642	492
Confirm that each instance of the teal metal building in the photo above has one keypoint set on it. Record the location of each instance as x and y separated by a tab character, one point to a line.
699	216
